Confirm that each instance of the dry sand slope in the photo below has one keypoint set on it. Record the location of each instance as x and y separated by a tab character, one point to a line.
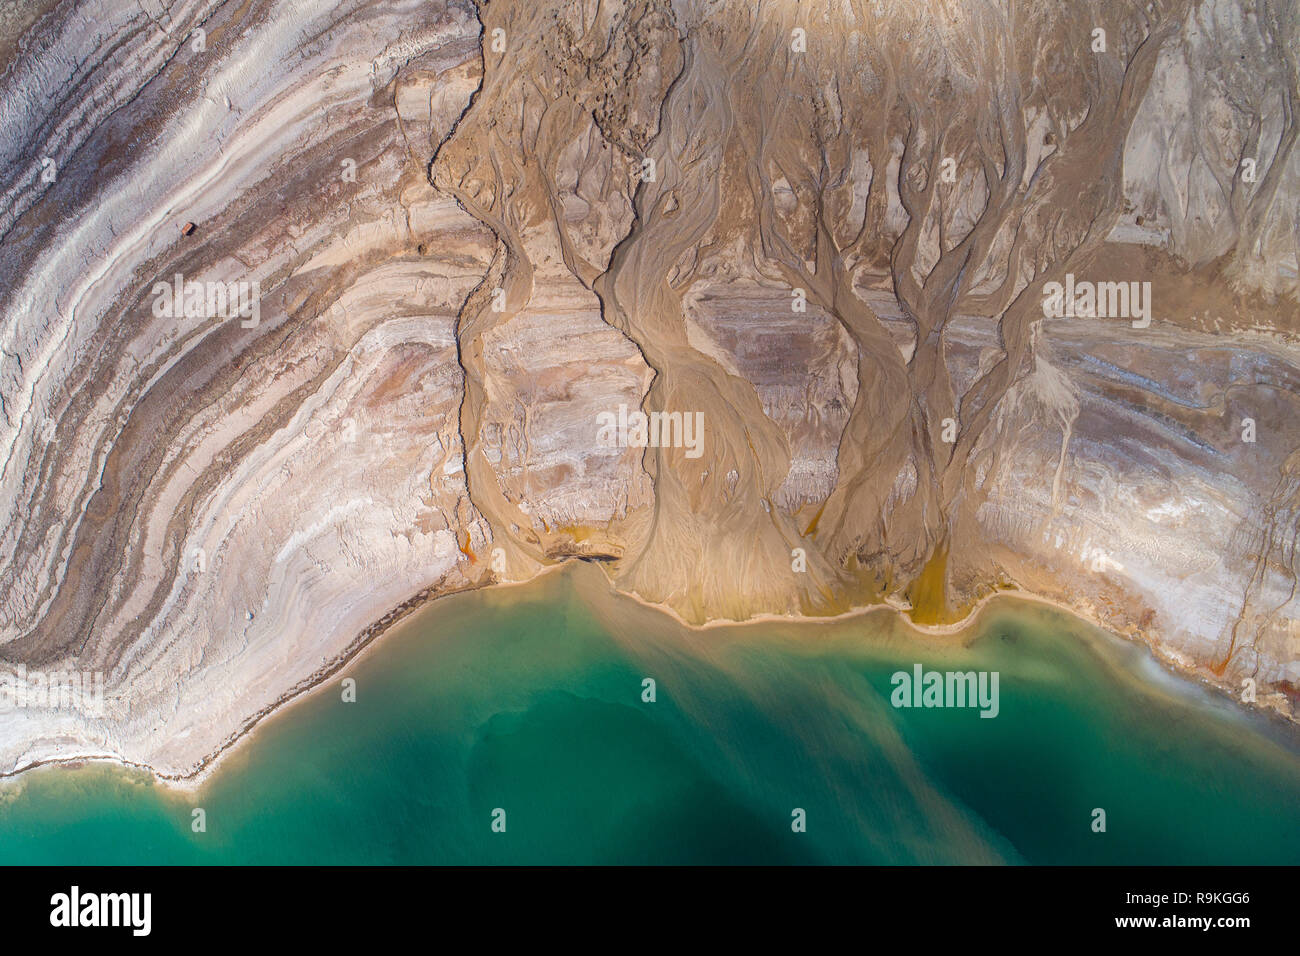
821	232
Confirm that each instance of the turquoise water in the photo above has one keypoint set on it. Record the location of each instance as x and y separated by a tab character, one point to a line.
530	700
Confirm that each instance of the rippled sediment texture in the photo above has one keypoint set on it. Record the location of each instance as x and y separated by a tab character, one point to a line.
463	259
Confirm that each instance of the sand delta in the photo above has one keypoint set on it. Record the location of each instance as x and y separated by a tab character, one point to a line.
471	244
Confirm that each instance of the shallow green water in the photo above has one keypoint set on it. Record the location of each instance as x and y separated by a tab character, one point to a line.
529	700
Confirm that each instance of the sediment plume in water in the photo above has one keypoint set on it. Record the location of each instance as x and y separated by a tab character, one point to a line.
313	313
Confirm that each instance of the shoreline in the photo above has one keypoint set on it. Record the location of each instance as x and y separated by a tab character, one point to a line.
1169	666
206	769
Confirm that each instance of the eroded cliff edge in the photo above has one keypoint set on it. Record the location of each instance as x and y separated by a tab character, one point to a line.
826	229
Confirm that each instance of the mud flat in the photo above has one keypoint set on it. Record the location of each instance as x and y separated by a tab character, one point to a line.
474	233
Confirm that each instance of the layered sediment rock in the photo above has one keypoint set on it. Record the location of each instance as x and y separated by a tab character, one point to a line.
463	236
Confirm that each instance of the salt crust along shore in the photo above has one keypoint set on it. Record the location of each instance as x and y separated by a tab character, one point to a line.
463	265
327	681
